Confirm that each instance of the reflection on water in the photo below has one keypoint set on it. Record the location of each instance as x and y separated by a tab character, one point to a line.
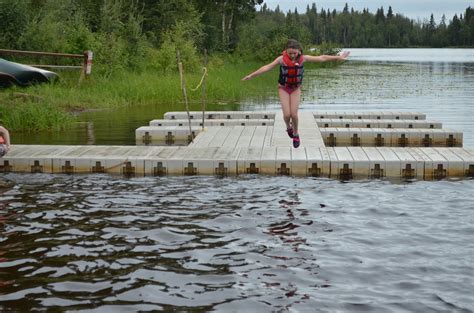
94	243
437	82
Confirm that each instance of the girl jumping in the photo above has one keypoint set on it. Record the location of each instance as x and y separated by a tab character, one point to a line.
291	76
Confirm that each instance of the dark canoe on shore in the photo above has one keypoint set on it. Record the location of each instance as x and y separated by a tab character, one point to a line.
12	73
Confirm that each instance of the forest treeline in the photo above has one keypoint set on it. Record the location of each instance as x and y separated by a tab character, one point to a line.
132	34
382	29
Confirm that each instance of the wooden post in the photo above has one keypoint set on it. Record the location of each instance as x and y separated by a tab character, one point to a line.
203	94
87	65
185	94
88	62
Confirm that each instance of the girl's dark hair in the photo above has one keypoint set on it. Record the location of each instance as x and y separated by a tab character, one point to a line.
293	44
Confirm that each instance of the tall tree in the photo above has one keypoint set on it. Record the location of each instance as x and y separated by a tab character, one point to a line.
13	18
222	18
380	16
162	15
389	13
469	21
454	30
345	25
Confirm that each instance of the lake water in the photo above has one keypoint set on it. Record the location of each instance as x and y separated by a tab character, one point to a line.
92	243
98	243
414	55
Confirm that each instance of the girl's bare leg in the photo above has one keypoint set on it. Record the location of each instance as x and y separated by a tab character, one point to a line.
285	106
294	105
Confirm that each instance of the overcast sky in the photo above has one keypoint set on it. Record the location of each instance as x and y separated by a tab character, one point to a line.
414	9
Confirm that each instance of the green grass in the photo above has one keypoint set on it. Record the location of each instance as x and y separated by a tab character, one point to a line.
31	115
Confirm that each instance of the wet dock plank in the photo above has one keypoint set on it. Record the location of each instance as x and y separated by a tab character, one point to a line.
253	148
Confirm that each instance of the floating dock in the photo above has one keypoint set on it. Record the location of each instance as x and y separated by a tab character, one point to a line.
339	145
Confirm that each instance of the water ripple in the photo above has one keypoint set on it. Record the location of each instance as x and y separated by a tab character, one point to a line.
96	243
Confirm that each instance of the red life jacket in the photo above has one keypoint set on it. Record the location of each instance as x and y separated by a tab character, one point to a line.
291	73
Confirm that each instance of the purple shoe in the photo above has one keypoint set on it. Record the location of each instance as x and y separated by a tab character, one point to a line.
296	141
289	131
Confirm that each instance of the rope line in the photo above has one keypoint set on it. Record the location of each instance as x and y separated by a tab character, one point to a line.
202	79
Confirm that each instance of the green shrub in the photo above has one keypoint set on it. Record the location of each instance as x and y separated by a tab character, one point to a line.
177	39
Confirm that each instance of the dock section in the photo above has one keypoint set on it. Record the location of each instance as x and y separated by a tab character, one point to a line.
339	145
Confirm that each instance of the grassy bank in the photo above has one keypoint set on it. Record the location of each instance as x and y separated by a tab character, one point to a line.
53	106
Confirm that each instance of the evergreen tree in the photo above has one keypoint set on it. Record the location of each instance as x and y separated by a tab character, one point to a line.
380	16
469	21
345	25
454	31
429	31
389	13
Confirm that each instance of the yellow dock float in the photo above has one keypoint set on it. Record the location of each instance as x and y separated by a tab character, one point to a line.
339	145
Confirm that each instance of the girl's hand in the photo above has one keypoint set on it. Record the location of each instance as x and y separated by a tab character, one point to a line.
248	77
343	56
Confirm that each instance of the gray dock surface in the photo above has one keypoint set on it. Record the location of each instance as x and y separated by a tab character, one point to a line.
340	145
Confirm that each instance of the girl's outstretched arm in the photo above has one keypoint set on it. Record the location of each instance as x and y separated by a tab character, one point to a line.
324	58
263	69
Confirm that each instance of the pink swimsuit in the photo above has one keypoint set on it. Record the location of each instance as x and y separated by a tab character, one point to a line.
289	90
